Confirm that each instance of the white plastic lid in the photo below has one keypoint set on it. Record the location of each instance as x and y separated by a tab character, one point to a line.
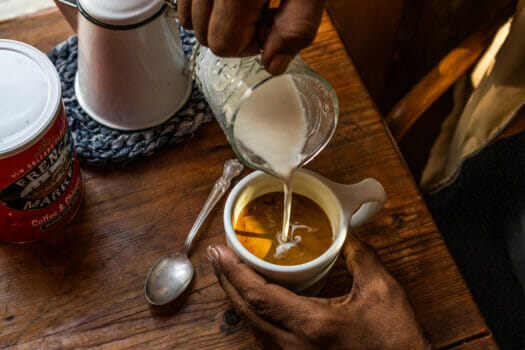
29	95
119	13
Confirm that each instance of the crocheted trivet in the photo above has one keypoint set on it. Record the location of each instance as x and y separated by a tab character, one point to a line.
98	144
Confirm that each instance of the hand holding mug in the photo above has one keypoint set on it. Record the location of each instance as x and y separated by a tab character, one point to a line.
375	315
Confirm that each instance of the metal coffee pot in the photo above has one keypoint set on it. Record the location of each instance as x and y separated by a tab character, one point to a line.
132	72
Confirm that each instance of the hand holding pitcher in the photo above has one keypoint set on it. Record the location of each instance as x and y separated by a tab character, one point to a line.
242	28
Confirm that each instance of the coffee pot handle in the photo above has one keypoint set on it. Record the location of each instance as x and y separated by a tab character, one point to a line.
69	11
372	196
171	13
172	8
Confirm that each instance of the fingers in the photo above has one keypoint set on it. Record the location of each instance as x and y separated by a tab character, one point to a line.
269	301
361	261
240	28
227	27
373	283
184	13
270	336
200	16
232	27
294	27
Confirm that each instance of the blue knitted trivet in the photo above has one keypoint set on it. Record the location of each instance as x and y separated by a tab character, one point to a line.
98	144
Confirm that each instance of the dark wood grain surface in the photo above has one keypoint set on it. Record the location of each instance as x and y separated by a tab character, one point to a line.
83	288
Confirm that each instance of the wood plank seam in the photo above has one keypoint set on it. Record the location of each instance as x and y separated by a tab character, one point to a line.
467	340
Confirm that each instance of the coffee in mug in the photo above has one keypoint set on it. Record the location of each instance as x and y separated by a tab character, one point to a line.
258	228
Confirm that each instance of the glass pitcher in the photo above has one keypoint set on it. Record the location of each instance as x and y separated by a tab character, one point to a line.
228	82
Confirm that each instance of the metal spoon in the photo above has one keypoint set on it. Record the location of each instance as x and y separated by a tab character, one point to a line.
171	274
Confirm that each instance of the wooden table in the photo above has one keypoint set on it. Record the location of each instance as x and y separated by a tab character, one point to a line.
84	287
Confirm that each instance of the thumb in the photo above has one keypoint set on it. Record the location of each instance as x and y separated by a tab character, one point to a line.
361	261
293	27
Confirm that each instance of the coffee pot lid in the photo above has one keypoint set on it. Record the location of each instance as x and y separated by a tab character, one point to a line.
121	13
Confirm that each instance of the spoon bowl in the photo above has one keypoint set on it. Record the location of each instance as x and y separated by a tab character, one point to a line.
168	278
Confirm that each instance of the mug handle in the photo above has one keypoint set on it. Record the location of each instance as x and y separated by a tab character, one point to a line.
372	196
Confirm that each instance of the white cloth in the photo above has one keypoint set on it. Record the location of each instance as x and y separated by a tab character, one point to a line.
476	120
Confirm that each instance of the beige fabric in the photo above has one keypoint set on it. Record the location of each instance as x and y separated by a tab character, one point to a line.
491	106
487	61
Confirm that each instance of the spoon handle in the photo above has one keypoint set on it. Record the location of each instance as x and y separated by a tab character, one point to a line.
232	169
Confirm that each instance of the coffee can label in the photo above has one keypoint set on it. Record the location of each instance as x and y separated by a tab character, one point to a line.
41	187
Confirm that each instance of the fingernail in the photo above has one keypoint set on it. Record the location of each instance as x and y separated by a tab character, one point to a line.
279	64
213	256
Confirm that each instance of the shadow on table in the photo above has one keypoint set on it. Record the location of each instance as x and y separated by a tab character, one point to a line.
54	265
173	308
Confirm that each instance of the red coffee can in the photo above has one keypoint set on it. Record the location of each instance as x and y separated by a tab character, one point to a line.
41	184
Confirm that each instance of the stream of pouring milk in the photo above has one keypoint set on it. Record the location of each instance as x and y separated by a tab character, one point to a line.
272	124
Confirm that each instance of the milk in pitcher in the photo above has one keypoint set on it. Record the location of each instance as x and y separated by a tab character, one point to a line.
272	124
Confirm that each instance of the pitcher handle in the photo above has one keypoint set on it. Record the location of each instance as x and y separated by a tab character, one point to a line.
373	197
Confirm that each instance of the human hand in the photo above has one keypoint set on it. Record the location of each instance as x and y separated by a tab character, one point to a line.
375	315
242	28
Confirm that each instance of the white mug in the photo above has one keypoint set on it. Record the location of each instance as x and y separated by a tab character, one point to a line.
345	205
